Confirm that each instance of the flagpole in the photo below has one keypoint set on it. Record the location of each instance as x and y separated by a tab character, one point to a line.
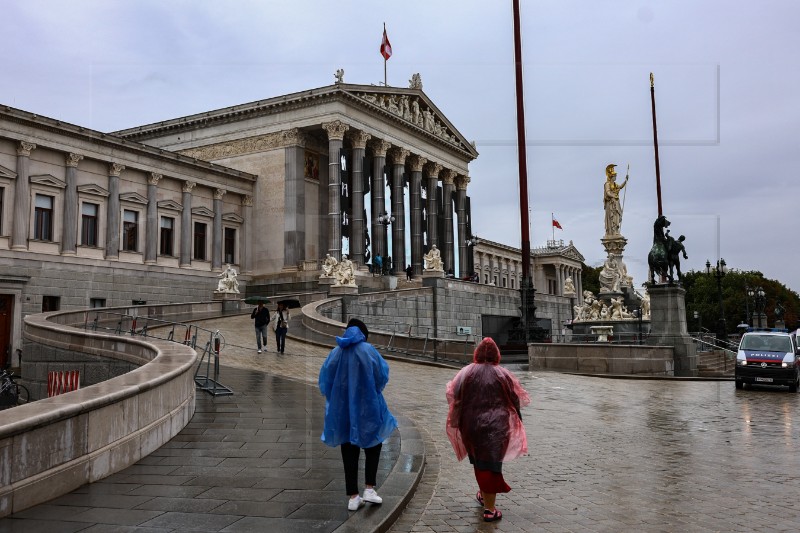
553	226
384	61
655	143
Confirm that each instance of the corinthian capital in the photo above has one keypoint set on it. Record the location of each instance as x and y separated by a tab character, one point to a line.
189	185
380	147
115	169
462	182
433	169
294	137
25	148
72	159
399	155
154	178
219	193
335	129
448	176
359	139
417	162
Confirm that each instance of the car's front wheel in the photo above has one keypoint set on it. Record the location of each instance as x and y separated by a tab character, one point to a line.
793	386
739	384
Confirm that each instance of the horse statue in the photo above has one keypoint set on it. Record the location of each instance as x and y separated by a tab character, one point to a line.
658	258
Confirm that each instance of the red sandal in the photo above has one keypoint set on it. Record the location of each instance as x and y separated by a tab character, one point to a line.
491	516
479	497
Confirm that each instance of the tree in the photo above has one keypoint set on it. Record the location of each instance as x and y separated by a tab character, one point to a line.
701	296
590	278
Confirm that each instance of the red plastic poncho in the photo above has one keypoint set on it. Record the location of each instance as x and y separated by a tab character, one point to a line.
484	418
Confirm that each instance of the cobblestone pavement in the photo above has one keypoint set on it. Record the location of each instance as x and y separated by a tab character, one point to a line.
605	454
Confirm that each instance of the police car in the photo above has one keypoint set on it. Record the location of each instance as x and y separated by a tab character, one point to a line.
768	358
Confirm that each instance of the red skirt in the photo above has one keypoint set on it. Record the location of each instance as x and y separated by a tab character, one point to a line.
491	482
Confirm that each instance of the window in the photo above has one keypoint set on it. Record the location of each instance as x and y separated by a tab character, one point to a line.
486	279
200	241
230	245
89	224
504	282
495	281
512	283
130	230
94	303
43	218
51	303
167	235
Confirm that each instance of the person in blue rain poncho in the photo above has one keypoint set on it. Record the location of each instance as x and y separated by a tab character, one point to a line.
352	379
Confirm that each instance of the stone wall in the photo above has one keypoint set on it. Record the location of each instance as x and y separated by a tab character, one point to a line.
602	358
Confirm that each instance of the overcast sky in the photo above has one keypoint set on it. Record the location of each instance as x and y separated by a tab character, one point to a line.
726	76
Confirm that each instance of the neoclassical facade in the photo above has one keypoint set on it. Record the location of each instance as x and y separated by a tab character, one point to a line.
334	162
500	265
154	213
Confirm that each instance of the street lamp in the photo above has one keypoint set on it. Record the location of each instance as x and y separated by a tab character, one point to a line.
761	302
719	272
385	218
470	242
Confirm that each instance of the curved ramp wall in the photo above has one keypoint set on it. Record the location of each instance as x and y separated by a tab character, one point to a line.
55	445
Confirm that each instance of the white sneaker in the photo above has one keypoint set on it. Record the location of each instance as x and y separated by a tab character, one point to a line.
259	351
371	496
355	504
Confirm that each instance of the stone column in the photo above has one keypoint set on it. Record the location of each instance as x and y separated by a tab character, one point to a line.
151	231
22	197
294	197
432	180
245	254
112	213
336	131
186	224
448	252
69	228
357	242
216	243
415	201
461	212
379	149
399	156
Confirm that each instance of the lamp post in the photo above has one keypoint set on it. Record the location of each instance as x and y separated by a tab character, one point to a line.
760	303
385	219
471	241
749	298
719	272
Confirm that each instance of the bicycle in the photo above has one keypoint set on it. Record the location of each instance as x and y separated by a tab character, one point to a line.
11	393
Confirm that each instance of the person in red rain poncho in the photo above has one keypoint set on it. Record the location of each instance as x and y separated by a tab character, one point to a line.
484	422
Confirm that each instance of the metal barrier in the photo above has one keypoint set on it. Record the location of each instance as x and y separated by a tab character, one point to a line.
149	327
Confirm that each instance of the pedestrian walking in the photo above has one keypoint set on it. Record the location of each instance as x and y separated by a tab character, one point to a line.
377	265
484	422
409	272
281	325
352	379
261	316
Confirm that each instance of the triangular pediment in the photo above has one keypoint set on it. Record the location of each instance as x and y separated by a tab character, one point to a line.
170	204
232	217
132	197
413	107
92	189
48	180
203	212
7	173
572	253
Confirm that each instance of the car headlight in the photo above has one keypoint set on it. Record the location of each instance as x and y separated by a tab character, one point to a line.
742	362
785	365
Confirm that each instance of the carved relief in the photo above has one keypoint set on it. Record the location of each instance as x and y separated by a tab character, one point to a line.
462	182
294	137
247	200
411	110
154	178
72	159
434	169
188	186
260	143
359	139
219	193
448	176
399	155
380	147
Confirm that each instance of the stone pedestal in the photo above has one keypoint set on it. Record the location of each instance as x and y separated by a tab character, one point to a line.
342	290
432	274
325	282
668	326
231	301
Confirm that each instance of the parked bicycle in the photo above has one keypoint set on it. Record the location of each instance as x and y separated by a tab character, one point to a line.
12	393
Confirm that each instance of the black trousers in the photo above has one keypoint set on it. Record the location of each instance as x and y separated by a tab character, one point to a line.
350	454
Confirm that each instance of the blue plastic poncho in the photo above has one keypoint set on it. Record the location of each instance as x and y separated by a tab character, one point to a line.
352	378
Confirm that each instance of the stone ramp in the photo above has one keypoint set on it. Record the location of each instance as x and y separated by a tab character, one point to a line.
248	462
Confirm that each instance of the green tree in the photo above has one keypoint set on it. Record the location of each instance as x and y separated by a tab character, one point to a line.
590	278
702	296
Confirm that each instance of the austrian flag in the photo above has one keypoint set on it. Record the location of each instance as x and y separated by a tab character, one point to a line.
386	47
556	224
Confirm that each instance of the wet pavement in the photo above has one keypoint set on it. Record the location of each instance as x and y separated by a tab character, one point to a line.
607	455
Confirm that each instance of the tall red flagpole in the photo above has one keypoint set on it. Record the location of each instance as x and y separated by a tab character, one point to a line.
521	154
655	143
